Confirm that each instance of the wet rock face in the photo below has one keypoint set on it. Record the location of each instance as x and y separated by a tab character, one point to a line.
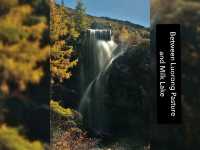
128	87
119	99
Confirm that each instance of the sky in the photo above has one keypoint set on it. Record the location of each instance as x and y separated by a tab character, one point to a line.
135	11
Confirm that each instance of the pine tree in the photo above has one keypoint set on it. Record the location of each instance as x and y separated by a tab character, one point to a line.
80	17
63	34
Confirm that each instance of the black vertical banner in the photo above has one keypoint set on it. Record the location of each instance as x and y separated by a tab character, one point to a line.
168	73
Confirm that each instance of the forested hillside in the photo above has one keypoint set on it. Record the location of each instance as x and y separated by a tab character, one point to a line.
67	31
185	136
135	30
28	68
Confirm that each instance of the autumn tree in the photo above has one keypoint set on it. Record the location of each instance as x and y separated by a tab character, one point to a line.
21	52
63	34
10	139
123	36
24	53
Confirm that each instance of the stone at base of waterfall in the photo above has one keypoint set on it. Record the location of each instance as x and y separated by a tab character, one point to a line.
118	100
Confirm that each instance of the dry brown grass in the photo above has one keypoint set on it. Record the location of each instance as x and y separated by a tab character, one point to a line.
73	139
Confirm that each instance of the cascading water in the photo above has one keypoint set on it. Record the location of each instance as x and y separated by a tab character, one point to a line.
98	47
115	83
97	53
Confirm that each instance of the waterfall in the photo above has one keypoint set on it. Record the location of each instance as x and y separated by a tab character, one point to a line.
112	104
96	55
97	49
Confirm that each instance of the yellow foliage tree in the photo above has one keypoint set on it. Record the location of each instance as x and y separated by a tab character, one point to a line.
63	34
10	139
123	35
20	47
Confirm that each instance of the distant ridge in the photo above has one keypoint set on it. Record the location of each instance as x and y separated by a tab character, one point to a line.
124	22
128	24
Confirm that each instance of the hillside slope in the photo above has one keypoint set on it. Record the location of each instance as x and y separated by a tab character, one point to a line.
116	25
